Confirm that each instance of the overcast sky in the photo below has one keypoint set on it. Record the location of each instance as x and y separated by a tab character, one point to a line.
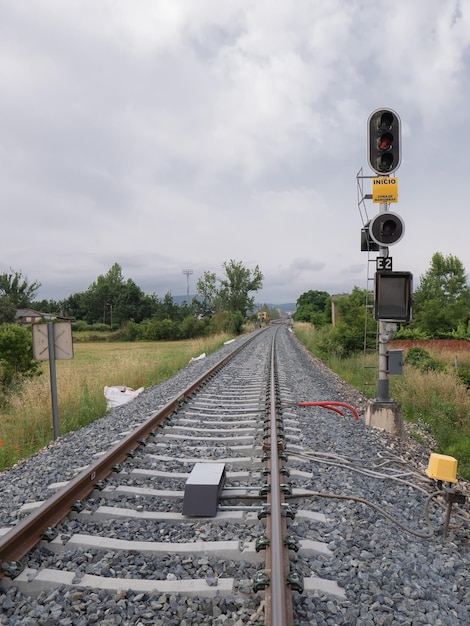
167	135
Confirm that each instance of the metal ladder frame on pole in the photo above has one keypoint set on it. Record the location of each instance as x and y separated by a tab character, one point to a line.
370	337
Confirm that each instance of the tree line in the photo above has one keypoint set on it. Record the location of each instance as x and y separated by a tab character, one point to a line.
441	309
114	303
111	300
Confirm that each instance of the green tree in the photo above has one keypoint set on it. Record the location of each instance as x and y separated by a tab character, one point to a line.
16	287
112	300
231	292
132	303
73	306
441	303
207	301
16	355
313	306
99	300
7	310
48	306
169	309
238	283
347	336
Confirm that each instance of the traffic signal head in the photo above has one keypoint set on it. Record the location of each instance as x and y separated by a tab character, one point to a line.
386	229
384	141
392	301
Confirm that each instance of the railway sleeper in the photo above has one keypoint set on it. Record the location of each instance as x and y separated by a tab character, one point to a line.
230	549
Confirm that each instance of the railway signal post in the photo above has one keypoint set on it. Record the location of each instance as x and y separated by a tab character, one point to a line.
392	290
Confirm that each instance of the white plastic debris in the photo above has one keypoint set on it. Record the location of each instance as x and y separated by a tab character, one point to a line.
120	394
198	358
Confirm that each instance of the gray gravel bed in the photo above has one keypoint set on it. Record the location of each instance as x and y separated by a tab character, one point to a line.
146	503
198	451
28	480
161	531
140	566
176	484
80	607
388	575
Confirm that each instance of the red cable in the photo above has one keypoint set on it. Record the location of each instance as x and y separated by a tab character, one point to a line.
331	405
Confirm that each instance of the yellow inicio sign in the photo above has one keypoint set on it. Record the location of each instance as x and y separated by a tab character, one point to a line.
384	189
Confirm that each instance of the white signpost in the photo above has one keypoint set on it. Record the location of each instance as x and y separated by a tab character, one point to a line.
53	341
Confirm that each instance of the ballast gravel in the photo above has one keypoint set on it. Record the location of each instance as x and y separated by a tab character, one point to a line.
388	576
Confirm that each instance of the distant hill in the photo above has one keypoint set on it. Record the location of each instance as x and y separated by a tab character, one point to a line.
180	299
288	307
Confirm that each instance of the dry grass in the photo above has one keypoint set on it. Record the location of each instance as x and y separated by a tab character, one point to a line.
450	358
431	391
436	398
26	423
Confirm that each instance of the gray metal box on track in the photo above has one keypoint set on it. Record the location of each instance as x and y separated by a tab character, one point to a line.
203	488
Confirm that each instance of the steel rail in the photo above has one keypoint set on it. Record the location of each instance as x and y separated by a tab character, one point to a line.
278	596
28	532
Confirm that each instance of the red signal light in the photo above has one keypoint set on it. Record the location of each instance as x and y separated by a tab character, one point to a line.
385	141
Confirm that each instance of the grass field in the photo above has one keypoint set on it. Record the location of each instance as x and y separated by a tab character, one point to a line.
437	400
26	422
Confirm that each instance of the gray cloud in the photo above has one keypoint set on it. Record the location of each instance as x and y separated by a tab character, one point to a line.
173	134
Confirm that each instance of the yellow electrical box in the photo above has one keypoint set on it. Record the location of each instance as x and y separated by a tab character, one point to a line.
442	467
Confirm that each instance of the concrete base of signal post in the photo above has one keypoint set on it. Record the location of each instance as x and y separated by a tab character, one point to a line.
386	416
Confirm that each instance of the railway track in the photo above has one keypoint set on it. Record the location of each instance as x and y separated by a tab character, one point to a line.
234	418
206	509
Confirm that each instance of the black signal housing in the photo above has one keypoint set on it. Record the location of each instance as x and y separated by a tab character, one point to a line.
384	139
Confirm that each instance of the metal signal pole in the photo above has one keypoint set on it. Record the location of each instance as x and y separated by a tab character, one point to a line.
386	331
392	290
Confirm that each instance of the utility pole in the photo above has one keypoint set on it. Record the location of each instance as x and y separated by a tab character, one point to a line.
188	273
110	304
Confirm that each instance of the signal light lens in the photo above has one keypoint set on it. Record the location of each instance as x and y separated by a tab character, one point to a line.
385	162
388	228
386	120
386	141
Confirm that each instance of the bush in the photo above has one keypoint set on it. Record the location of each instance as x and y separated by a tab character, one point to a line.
421	359
460	449
341	340
408	332
16	360
168	330
227	322
463	372
237	323
80	326
462	331
99	328
191	327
